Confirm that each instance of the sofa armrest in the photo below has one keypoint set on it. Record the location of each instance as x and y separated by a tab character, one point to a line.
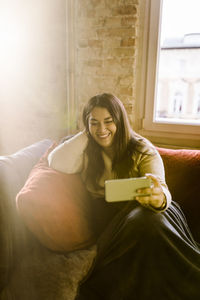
182	169
14	170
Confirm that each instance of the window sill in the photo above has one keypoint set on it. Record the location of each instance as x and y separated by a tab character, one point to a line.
171	140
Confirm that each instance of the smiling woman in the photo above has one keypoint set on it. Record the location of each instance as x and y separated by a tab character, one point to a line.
135	237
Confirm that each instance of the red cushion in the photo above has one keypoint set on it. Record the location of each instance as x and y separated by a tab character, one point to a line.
182	168
56	208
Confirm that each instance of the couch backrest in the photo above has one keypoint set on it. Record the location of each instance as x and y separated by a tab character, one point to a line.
182	169
14	169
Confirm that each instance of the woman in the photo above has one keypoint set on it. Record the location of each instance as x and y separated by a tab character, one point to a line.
145	249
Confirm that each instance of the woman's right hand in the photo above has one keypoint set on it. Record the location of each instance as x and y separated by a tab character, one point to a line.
155	197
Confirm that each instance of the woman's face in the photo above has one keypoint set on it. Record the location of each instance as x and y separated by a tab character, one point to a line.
102	127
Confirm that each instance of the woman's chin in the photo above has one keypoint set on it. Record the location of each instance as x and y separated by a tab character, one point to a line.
105	144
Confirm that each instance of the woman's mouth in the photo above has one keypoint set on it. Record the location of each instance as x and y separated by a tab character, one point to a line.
103	136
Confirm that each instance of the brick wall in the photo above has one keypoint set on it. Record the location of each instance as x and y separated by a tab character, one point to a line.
105	50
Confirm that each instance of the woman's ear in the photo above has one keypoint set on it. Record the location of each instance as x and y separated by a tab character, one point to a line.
88	134
87	130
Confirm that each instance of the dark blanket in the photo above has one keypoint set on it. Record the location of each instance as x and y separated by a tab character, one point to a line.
145	255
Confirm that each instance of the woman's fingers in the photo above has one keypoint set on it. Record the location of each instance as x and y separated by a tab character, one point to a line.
153	196
150	191
155	200
154	180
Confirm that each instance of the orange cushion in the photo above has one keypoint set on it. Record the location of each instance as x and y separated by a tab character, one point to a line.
56	208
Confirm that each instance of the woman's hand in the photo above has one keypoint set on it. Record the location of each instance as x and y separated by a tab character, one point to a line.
155	196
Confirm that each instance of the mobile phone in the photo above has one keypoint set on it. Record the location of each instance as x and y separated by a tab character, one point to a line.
125	189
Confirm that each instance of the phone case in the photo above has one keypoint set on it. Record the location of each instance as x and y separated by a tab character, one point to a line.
124	189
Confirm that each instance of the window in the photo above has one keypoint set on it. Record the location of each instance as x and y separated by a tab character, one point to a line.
177	104
171	53
196	103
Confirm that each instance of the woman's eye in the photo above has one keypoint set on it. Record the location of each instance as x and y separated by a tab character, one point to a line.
94	123
109	122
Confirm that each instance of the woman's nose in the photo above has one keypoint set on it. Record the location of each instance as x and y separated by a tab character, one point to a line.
102	127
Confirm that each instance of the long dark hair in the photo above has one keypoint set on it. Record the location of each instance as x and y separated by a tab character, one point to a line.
124	141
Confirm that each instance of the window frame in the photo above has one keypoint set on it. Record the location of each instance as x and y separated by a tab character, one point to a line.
184	135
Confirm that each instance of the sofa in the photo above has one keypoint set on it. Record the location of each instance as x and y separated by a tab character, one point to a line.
30	269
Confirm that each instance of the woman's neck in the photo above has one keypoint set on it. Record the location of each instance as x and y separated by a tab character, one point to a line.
109	152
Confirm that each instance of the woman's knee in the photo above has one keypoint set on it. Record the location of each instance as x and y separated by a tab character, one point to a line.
144	221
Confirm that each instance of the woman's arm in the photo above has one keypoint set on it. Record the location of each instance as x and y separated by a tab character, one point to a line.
159	197
68	157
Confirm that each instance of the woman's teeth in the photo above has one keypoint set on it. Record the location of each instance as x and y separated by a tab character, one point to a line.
103	136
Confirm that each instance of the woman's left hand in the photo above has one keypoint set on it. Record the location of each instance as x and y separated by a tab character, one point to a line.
155	196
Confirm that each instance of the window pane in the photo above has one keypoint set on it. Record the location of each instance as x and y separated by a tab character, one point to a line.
178	81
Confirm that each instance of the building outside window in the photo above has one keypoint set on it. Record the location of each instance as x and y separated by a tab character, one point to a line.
170	73
196	107
178	72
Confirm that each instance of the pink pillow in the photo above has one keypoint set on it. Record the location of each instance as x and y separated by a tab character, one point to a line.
56	208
